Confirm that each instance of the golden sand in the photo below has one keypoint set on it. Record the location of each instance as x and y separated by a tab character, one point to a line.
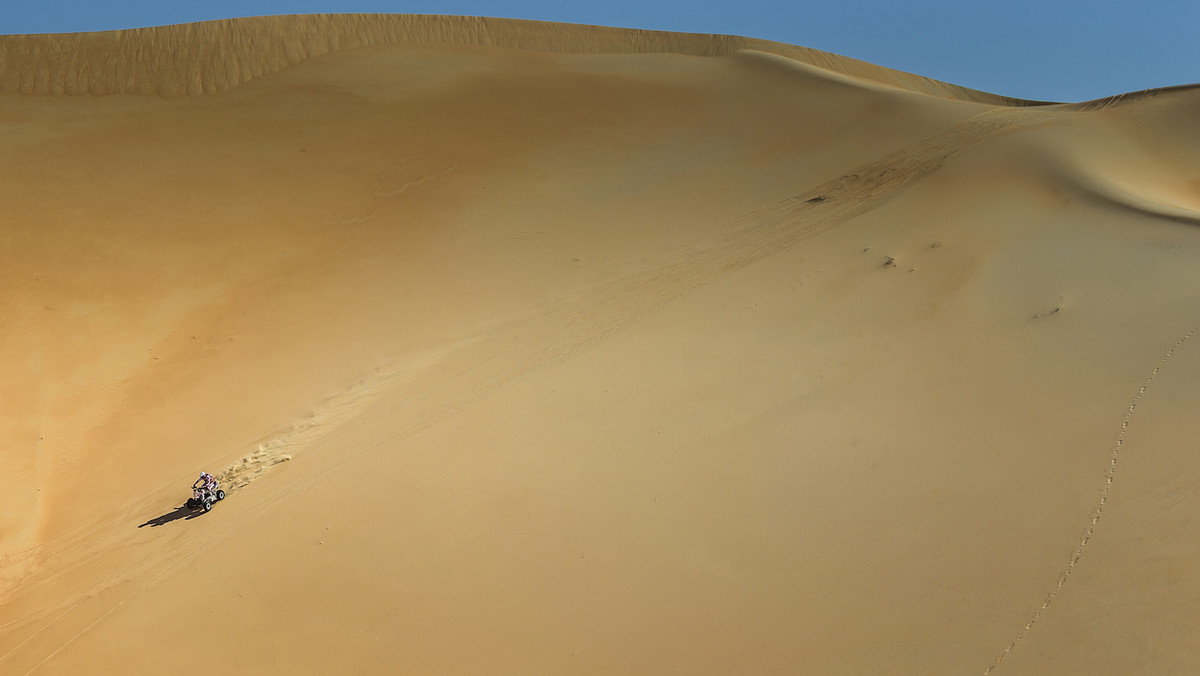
588	351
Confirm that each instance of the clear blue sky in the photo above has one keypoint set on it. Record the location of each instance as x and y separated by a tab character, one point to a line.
1063	50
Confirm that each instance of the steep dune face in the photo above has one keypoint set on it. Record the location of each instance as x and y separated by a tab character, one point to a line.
525	347
1141	155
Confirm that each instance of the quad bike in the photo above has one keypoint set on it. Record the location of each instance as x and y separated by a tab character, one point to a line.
205	494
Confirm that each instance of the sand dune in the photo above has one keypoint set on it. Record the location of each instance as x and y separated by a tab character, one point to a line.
215	56
533	348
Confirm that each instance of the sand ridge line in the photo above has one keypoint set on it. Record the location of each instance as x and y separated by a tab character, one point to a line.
1109	474
1107	193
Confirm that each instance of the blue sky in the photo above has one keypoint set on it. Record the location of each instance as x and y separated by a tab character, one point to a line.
1063	50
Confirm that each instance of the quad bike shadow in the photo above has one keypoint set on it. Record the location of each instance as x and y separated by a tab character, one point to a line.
180	512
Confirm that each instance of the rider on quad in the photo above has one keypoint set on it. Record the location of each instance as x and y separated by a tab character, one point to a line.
206	483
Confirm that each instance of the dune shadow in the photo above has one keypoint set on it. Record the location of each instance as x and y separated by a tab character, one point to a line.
180	512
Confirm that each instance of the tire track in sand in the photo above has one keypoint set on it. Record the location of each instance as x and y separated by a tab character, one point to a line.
1110	472
523	347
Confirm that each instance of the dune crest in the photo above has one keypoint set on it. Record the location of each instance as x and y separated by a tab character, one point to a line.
215	56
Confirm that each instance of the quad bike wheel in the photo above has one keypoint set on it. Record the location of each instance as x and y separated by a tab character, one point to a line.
207	506
220	495
191	503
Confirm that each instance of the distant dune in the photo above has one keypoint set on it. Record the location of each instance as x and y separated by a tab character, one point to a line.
535	348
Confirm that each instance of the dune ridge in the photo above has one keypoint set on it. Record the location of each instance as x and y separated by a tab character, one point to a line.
1111	193
1117	100
215	56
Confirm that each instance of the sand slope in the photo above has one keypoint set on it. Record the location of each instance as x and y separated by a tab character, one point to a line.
532	348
